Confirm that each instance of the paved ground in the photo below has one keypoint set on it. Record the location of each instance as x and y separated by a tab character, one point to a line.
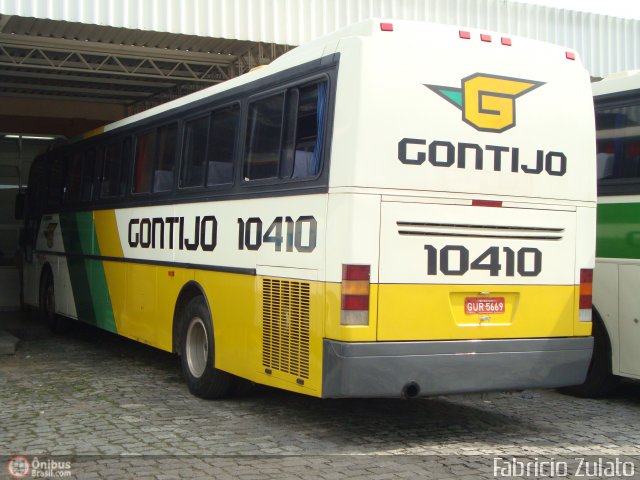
113	408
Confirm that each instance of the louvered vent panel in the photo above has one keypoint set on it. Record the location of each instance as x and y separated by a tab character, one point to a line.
285	326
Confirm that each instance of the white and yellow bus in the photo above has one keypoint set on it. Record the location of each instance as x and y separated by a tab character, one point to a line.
616	284
397	209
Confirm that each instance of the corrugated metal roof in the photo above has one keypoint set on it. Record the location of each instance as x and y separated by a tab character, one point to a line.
605	43
38	27
44	58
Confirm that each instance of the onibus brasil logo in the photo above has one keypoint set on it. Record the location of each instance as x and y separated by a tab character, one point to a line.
488	102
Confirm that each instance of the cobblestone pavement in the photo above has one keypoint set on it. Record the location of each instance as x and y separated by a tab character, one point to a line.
113	408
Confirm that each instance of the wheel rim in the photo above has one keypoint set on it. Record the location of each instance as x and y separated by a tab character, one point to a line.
197	347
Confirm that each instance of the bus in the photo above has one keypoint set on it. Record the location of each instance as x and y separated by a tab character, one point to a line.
616	325
394	210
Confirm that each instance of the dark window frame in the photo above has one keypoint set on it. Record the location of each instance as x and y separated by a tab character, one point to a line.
328	119
320	68
155	127
120	143
209	113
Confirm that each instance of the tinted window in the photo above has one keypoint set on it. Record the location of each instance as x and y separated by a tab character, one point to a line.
285	133
56	182
194	152
166	157
37	189
618	142
88	175
309	127
143	173
224	128
264	133
74	178
113	184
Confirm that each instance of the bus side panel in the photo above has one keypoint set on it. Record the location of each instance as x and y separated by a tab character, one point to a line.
234	250
86	272
265	331
616	280
605	301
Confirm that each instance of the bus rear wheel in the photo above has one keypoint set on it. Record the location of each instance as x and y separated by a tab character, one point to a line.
198	353
55	322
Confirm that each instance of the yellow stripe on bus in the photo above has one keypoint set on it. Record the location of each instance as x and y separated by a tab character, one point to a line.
437	312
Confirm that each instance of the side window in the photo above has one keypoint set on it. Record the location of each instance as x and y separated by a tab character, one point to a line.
618	142
88	175
264	132
98	170
56	182
166	158
112	174
143	167
74	178
36	202
285	133
125	166
194	152
222	145
309	130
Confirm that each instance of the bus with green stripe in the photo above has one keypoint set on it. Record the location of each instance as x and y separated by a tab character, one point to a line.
616	284
394	210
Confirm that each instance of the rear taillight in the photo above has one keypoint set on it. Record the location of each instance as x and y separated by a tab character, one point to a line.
355	295
586	289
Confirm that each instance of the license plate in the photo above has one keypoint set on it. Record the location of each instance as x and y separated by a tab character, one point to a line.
483	305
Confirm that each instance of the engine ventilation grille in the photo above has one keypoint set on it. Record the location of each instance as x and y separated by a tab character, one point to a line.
285	326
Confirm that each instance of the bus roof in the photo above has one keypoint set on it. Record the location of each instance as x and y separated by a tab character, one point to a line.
313	50
617	82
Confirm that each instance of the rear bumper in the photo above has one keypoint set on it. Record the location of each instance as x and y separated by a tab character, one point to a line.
387	369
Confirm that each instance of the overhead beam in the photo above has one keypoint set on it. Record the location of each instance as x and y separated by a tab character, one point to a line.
73	56
46	75
129	51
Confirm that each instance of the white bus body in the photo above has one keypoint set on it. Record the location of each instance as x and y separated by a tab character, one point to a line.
442	254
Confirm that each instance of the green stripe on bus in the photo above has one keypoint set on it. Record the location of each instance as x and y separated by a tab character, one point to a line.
88	279
617	233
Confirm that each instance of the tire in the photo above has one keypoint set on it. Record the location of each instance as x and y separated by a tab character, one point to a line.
55	322
198	353
600	381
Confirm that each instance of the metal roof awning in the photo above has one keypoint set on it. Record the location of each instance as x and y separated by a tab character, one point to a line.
52	60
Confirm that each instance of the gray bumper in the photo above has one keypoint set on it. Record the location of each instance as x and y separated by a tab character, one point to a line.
395	369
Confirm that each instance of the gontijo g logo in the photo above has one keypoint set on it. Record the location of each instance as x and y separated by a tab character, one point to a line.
488	102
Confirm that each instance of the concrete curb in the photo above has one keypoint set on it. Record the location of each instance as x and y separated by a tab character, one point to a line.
7	343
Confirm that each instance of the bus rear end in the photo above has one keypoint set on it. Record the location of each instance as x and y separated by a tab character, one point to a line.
461	228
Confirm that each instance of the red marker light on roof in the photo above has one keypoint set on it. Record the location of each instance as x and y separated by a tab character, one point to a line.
464	34
570	56
386	27
485	37
505	41
486	203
